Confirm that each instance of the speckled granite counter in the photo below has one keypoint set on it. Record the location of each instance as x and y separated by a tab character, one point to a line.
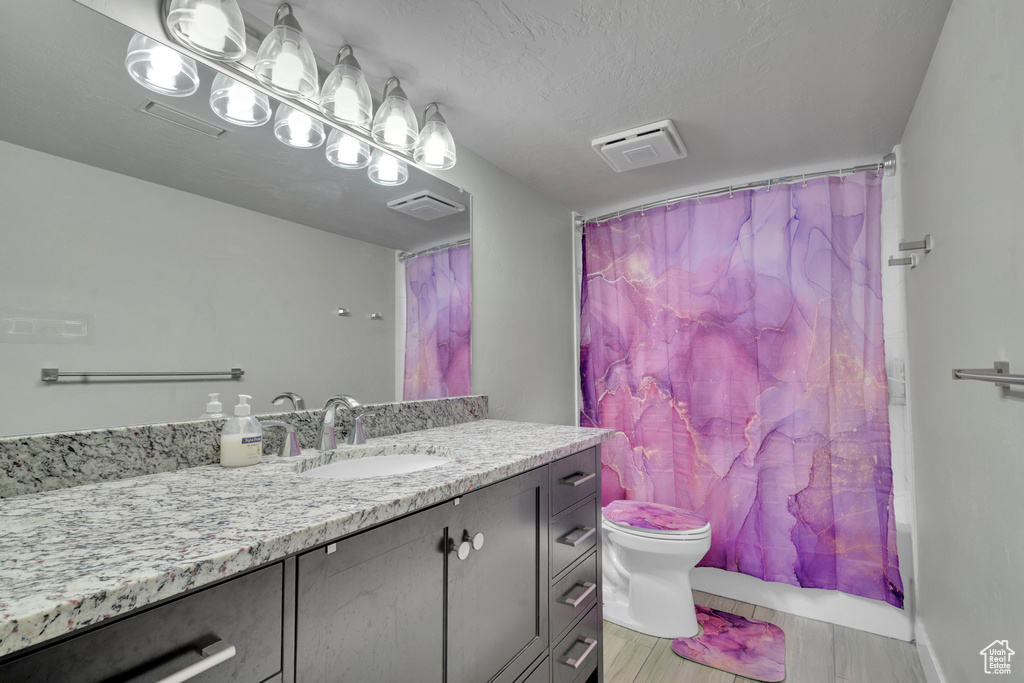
73	557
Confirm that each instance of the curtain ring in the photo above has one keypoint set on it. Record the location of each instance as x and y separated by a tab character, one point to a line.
769	189
730	191
841	178
643	210
698	198
805	180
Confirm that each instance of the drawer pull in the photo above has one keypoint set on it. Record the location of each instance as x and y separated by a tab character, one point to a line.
588	531
575	602
212	656
591	643
577	479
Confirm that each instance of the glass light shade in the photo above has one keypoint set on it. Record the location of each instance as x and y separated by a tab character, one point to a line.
345	95
436	147
296	129
213	28
394	125
160	68
345	151
386	169
237	103
285	62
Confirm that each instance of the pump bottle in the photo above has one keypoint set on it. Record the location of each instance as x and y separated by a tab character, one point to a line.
241	438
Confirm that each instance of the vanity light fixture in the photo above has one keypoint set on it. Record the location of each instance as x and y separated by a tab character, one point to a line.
394	125
285	61
345	151
345	95
213	28
161	69
237	103
436	147
386	169
297	129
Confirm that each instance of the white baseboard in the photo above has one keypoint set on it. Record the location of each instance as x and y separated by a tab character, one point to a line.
833	607
932	671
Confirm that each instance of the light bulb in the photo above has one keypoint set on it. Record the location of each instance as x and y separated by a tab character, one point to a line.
159	68
433	151
346	102
387	170
297	129
287	73
394	130
345	95
238	103
211	25
165	66
394	124
346	151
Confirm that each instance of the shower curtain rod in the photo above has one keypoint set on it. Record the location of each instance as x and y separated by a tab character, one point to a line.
405	256
887	164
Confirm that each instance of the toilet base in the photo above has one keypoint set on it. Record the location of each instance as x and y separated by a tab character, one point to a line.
678	619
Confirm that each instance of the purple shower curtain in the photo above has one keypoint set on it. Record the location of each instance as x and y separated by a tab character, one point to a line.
735	346
437	322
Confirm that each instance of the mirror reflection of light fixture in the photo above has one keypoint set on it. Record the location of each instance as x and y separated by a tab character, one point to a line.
386	169
237	103
297	129
345	151
285	62
394	125
345	95
436	147
213	28
161	69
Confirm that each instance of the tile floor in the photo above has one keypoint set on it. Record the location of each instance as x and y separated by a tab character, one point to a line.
816	652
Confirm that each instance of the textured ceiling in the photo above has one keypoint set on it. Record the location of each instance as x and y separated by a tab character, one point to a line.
752	85
79	103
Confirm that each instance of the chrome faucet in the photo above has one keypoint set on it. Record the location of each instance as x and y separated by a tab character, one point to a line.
326	440
290	445
298	403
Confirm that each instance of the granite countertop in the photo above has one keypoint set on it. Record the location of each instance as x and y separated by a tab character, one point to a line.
72	557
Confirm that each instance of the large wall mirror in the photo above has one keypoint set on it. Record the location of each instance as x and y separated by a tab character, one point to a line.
142	233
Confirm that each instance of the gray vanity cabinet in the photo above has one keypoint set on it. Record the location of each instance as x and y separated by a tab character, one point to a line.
455	593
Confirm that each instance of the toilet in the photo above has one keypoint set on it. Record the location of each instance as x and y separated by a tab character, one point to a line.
648	552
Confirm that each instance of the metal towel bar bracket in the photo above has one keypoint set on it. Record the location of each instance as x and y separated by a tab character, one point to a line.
53	374
1000	375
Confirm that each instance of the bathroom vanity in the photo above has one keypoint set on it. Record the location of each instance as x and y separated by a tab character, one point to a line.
499	582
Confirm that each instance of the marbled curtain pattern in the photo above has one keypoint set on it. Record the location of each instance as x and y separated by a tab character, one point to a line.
437	324
735	345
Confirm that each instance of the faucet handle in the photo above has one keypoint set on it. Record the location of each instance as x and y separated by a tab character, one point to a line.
290	445
356	437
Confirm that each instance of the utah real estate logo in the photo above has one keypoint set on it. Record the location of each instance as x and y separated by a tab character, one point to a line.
997	657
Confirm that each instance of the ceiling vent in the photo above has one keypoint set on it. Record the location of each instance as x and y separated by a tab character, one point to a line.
426	205
647	145
180	118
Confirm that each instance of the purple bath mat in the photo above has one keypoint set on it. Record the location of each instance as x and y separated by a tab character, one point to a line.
745	647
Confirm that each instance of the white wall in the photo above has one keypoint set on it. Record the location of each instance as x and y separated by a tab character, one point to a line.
174	281
963	159
522	295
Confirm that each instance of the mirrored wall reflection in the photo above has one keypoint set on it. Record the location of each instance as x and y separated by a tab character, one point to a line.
188	242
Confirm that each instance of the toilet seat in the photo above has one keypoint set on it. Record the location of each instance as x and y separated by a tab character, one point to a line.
655	520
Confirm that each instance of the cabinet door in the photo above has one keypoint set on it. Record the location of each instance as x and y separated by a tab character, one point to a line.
374	608
498	595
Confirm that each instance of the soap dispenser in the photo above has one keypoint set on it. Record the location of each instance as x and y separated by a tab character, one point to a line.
241	438
214	409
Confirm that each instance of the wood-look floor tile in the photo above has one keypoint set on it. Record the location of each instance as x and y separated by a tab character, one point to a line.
627	634
622	659
742	609
862	657
665	666
810	649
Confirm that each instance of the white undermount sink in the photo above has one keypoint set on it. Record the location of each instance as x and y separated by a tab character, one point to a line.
376	466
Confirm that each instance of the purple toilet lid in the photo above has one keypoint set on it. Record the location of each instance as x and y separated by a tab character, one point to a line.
652	516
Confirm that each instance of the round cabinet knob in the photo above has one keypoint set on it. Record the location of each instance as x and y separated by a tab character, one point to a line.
460	549
478	541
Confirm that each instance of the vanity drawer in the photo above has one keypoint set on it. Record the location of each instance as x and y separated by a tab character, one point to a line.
573	595
245	612
573	535
541	674
575	657
573	479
